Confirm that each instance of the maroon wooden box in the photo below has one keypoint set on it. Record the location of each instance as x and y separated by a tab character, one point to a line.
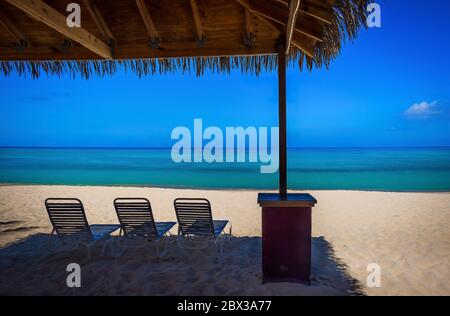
286	237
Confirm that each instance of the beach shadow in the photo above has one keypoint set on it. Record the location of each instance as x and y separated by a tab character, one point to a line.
28	268
325	263
15	226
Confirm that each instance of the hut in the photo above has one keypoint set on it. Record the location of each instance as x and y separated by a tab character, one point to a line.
152	36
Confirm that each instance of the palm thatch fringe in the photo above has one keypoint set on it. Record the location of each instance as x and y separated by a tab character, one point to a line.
349	16
141	67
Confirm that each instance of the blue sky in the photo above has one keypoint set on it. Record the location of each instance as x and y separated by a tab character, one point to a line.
388	88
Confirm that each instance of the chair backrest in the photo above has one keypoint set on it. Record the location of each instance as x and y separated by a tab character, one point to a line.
68	217
194	217
136	217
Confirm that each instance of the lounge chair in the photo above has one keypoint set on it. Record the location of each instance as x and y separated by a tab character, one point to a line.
137	223
195	221
70	224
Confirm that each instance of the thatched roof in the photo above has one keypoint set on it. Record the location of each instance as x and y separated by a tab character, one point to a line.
159	36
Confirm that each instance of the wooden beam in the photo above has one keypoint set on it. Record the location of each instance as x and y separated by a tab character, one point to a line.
316	9
280	16
248	22
141	51
197	20
320	10
292	20
99	21
13	30
308	51
300	41
248	7
191	49
146	17
57	21
283	2
250	37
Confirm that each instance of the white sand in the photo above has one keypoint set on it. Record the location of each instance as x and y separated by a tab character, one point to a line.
407	234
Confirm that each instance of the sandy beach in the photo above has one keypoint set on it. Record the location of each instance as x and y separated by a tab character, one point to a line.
406	234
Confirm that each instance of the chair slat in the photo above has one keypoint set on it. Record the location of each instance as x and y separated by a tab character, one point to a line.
136	217
194	217
68	217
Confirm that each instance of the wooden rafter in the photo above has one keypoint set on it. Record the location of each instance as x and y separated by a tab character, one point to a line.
197	20
134	51
57	21
280	16
279	26
298	38
13	30
248	22
185	49
283	2
290	27
250	9
148	21
250	37
99	21
319	10
308	51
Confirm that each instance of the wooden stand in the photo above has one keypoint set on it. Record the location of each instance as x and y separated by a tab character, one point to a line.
286	237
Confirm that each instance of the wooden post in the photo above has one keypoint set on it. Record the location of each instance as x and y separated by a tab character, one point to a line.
282	117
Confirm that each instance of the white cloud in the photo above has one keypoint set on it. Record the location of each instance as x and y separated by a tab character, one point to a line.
422	110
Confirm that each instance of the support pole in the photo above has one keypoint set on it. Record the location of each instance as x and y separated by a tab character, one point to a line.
286	219
282	118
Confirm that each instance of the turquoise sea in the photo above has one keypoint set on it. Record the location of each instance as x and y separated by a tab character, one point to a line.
393	169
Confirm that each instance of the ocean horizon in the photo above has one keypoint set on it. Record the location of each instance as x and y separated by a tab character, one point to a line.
413	169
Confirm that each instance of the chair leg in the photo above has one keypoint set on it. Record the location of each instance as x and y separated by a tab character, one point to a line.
89	250
104	247
166	242
68	247
221	246
219	250
51	244
157	248
50	240
121	249
89	255
105	244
